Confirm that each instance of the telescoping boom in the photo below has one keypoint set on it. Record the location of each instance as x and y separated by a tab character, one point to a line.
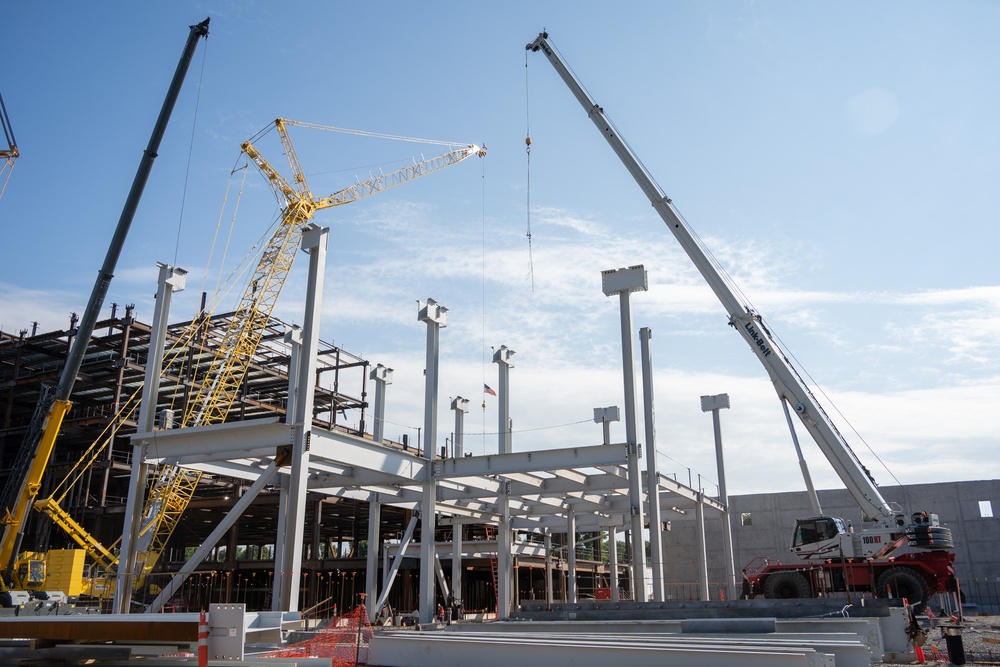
787	382
35	450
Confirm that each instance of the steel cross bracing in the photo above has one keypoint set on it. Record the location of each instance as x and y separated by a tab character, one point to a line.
544	484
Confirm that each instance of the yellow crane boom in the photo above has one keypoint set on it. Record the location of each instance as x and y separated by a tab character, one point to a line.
221	383
218	388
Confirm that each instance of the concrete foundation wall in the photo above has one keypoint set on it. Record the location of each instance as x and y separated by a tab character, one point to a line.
772	517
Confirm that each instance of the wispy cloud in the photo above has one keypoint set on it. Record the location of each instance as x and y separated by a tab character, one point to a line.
21	308
566	336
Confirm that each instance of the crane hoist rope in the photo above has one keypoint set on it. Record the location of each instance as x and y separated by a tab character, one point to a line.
527	155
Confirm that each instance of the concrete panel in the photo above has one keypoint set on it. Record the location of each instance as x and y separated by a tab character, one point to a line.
407	649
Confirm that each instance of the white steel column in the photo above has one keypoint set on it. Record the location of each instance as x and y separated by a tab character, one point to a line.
435	316
623	282
371	564
460	406
456	568
652	474
604	417
504	359
293	336
314	241
171	279
713	404
613	563
549	593
382	376
702	550
571	555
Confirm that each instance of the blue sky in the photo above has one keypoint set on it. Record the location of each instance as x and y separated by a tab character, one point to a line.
840	160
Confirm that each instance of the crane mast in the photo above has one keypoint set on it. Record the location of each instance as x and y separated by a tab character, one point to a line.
787	382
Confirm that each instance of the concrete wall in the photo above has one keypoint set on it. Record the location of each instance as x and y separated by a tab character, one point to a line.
772	517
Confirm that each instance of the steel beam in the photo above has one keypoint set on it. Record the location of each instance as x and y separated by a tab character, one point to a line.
529	462
374	542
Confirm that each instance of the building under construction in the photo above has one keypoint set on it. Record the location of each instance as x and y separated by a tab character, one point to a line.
89	472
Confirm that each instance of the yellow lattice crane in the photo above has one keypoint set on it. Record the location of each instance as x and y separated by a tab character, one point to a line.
218	387
172	498
174	486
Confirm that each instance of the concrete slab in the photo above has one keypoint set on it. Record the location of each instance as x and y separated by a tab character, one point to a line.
848	650
401	649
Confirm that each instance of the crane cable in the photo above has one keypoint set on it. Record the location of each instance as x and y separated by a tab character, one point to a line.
187	170
483	343
527	151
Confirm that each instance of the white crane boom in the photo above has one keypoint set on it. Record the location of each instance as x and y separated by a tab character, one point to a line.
786	380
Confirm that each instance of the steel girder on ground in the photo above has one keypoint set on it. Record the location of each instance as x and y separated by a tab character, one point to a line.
544	485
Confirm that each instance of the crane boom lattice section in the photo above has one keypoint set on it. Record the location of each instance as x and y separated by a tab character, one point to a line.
221	384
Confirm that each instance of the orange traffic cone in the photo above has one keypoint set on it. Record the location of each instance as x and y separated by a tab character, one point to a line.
203	640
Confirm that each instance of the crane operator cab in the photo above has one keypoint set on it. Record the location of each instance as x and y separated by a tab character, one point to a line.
821	537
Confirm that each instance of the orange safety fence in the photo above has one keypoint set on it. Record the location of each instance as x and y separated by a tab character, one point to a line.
346	641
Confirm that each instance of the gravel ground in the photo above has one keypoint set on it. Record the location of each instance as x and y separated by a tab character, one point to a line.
980	639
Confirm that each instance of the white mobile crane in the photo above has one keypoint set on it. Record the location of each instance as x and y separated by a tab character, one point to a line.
903	560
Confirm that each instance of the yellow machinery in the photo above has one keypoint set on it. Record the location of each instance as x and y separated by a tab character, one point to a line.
174	486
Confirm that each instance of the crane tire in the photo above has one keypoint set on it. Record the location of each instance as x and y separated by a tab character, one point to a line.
903	582
786	586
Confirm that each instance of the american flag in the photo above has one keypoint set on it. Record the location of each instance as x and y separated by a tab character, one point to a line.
487	390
